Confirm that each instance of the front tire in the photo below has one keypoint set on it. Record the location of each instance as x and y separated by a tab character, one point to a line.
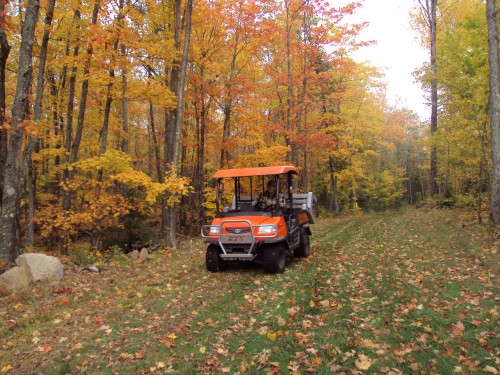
213	260
274	259
304	248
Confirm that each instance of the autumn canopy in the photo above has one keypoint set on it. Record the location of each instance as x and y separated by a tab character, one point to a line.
117	113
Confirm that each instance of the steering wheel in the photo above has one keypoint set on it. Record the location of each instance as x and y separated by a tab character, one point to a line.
263	207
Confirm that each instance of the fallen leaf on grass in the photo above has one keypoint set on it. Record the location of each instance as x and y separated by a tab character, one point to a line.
458	329
140	355
306	324
243	367
203	349
363	362
316	361
45	348
124	356
414	366
367	343
6	369
293	310
63	301
222	351
325	303
168	343
272	336
491	370
98	322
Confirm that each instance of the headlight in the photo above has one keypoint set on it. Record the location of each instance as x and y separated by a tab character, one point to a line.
214	230
267	229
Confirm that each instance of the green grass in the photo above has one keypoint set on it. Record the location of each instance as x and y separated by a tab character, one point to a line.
412	291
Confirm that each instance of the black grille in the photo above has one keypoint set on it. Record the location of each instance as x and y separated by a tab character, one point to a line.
237	230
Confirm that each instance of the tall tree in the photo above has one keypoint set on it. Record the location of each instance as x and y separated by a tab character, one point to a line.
38	114
180	118
13	174
463	132
428	9
123	49
73	146
240	22
4	55
494	102
168	216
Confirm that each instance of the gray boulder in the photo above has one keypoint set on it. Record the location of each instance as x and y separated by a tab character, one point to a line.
134	255
41	266
144	255
15	278
31	268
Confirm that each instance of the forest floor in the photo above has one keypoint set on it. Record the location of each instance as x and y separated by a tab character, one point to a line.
413	291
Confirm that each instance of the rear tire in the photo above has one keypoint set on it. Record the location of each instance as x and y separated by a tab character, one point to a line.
304	248
213	260
274	259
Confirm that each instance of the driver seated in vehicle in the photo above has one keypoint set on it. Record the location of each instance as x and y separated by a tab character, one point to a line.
266	201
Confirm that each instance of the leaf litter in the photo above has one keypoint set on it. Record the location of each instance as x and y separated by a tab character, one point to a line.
392	293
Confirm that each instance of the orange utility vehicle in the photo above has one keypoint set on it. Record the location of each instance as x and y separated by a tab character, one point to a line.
244	231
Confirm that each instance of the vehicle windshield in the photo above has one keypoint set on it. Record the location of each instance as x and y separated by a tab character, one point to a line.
237	194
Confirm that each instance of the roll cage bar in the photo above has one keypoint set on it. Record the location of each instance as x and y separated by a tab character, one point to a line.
286	171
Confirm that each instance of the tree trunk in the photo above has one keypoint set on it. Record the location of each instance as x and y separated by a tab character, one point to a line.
4	54
494	105
66	198
125	141
224	153
201	159
171	118
174	84
57	124
13	181
334	202
428	8
434	189
109	98
156	146
75	146
179	117
289	153
37	115
228	110
105	122
83	99
201	116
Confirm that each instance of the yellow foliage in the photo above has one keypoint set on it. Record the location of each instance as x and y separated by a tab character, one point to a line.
386	188
106	197
113	161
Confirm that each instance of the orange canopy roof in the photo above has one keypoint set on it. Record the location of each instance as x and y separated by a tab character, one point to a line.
258	171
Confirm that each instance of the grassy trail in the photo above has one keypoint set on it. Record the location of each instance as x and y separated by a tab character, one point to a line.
403	292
